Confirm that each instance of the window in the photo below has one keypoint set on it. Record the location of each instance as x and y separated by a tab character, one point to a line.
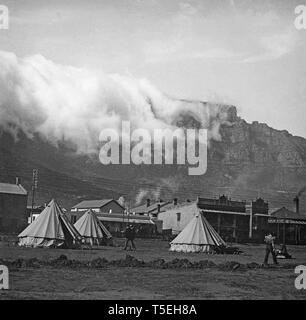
178	216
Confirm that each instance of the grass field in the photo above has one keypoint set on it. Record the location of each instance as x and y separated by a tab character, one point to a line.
49	282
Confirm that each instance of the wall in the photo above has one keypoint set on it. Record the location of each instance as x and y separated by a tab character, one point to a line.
170	217
114	206
231	227
13	217
294	233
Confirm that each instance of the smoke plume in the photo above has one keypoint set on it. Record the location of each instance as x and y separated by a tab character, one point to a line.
140	196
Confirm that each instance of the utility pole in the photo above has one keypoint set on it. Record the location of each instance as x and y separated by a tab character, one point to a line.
128	211
34	187
249	210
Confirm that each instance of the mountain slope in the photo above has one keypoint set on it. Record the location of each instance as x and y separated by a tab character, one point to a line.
250	160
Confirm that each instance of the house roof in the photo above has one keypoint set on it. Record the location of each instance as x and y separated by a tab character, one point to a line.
187	204
284	213
131	218
90	204
9	188
179	205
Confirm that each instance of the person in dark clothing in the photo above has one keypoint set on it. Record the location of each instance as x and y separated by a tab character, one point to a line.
130	235
269	240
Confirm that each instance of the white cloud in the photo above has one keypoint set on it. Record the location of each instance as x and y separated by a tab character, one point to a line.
63	102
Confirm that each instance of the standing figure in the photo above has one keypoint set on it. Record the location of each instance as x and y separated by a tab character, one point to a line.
269	240
130	235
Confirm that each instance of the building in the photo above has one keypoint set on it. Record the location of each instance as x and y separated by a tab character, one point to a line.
233	220
13	207
289	226
117	223
237	221
99	206
153	210
176	216
114	216
35	212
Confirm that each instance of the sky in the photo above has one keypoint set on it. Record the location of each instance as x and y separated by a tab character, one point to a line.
240	52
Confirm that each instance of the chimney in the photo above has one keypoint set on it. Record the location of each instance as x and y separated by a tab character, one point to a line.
148	202
296	200
158	208
17	180
175	201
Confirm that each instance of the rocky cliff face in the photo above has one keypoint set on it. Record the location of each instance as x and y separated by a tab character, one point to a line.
258	143
259	159
248	161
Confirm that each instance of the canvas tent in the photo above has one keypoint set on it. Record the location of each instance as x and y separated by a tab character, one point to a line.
50	229
92	229
197	236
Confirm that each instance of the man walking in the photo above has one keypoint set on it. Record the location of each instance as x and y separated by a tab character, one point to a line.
269	240
130	236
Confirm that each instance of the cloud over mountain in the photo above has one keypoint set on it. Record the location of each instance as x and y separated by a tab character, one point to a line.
68	103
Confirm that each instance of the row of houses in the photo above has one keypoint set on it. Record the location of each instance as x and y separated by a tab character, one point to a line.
237	221
115	216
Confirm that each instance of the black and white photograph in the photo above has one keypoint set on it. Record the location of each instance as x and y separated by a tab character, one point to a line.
152	150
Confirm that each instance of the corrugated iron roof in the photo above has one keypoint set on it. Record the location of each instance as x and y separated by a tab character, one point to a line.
235	212
10	188
284	213
131	218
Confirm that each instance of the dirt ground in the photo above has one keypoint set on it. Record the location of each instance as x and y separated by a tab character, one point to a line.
116	282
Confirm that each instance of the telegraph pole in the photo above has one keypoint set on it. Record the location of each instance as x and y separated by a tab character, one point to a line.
34	187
